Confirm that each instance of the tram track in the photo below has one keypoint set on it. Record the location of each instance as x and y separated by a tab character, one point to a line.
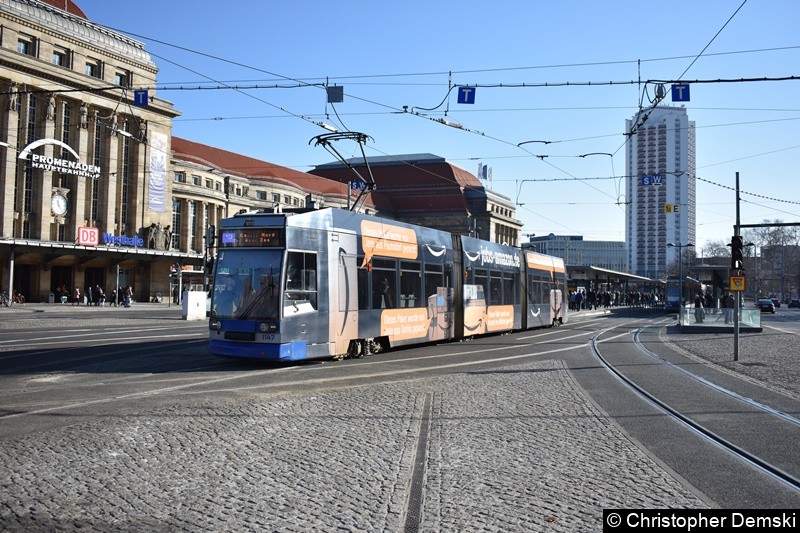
729	436
134	373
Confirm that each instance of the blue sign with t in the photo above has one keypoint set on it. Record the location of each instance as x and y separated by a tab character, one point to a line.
680	92
466	95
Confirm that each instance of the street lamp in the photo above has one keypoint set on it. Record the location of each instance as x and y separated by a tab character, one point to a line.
680	246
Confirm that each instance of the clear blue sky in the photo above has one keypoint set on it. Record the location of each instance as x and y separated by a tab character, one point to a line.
388	55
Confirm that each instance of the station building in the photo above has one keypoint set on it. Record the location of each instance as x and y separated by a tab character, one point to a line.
97	191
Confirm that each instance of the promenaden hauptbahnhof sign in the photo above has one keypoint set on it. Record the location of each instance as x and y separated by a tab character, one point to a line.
56	164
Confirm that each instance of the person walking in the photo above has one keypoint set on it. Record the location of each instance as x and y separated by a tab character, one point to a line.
699	313
728	303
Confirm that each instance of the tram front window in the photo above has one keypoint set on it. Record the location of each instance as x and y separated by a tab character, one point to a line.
246	284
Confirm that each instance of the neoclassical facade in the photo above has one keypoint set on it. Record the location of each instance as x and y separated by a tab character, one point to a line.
96	191
81	160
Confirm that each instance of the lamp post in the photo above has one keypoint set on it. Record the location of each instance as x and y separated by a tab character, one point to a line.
680	247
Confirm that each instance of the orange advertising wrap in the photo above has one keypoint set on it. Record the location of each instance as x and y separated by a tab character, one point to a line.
378	238
499	317
545	262
403	324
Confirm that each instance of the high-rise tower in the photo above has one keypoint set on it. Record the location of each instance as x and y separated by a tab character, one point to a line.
660	163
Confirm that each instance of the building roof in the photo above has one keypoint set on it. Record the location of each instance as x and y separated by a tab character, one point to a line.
410	183
254	169
68	6
66	17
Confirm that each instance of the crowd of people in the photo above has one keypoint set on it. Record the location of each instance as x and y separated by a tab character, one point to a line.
591	299
95	296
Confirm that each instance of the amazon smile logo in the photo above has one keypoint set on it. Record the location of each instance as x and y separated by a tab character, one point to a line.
436	253
56	164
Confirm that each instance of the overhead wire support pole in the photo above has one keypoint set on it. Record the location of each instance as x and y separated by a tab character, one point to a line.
738	299
325	141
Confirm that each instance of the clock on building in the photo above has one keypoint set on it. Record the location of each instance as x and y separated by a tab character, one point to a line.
59	204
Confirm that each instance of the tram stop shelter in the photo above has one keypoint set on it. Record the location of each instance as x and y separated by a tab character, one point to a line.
589	276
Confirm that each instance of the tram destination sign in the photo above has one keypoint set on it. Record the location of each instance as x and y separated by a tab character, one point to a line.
253	238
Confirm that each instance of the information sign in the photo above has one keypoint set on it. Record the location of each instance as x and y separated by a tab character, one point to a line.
141	98
466	95
655	179
680	92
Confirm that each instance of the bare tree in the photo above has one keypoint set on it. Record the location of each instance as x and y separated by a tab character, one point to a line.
716	252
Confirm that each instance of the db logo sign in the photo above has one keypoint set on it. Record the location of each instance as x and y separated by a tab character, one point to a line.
88	236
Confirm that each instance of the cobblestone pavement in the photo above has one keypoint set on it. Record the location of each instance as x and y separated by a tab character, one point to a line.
770	358
520	449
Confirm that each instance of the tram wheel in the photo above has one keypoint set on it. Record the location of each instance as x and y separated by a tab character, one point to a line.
355	350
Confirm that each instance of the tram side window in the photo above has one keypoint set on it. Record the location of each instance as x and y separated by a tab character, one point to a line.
510	282
434	282
301	282
495	288
410	284
536	289
363	285
384	286
481	277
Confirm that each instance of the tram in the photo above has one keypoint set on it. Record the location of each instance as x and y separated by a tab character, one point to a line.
673	299
331	283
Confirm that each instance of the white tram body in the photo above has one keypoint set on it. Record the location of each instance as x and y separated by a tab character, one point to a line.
334	283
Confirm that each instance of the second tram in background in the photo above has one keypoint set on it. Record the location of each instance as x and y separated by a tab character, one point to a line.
334	283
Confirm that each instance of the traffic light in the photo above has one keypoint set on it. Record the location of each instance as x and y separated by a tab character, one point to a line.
737	246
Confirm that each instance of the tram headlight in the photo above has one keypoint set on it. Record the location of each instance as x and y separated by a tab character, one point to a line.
267	327
214	325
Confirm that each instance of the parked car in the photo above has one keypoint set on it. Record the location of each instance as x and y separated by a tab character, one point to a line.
776	302
794	303
766	305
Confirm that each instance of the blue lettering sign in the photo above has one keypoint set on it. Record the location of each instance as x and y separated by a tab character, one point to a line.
228	237
122	240
680	92
466	95
655	179
358	185
141	98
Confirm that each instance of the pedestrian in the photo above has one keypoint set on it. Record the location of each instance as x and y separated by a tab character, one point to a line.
699	313
100	296
578	300
76	296
728	303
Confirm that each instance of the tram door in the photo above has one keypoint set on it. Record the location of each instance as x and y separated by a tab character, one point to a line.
556	304
342	290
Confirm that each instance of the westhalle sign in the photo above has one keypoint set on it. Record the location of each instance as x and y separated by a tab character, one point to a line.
56	164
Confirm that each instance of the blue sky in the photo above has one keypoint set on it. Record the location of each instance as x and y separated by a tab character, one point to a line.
388	55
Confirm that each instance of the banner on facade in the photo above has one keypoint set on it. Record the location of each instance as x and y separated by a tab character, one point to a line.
158	173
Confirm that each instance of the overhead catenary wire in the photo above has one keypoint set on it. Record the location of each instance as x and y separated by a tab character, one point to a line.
301	83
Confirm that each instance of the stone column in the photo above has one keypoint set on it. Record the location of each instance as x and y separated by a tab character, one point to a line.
8	171
43	221
81	184
109	193
142	176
